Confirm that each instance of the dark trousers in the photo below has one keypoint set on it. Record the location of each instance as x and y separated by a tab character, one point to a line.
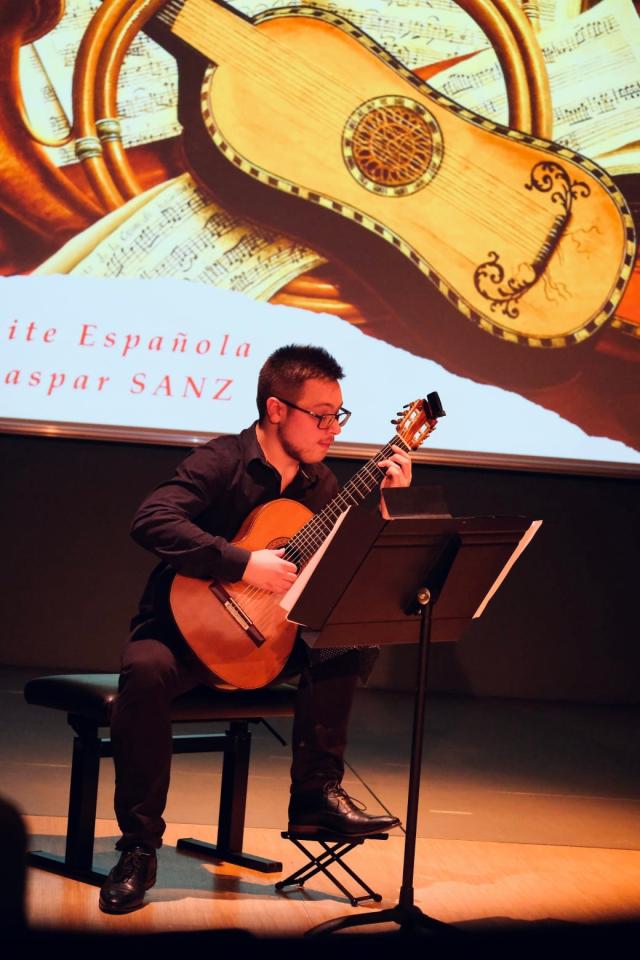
152	675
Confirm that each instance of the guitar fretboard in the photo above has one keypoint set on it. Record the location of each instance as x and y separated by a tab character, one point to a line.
309	538
212	29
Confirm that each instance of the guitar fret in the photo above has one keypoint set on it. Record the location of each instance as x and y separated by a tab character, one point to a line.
310	537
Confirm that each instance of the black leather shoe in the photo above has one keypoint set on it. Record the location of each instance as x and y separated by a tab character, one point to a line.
126	885
332	810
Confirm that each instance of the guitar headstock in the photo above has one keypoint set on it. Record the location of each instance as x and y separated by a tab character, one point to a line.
418	420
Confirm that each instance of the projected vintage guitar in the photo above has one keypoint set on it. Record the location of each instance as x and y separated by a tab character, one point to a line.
239	632
523	236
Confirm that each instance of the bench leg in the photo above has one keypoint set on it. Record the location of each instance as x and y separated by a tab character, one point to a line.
77	862
233	803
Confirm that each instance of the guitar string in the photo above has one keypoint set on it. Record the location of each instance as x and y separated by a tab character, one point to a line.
317	529
255	39
513	233
252	38
304	544
490	223
310	537
306	541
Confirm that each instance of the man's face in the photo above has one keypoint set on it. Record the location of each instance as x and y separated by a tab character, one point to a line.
299	434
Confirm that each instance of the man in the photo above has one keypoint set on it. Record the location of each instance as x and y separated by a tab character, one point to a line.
189	523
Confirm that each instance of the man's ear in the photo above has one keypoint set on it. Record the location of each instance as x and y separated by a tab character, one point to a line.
275	410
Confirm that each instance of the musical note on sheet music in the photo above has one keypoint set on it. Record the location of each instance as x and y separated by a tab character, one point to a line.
594	116
147	91
416	32
180	232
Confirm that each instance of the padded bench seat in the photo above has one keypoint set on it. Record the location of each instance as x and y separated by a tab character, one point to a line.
91	695
87	699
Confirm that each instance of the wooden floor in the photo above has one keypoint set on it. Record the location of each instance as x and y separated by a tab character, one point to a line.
465	882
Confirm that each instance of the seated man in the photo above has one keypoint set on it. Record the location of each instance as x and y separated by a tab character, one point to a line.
189	522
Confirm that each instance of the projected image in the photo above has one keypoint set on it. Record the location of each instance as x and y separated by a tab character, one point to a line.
441	195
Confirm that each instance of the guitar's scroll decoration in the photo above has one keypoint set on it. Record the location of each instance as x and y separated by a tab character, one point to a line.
392	145
489	277
547	174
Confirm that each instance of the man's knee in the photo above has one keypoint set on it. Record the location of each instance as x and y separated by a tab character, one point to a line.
148	666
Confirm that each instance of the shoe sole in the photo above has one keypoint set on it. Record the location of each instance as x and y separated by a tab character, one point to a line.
112	912
306	830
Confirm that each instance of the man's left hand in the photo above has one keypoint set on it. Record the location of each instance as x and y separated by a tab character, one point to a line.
398	469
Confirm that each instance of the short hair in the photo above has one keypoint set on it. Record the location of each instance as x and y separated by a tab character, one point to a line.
285	372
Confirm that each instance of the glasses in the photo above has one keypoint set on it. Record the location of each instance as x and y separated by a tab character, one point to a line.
323	420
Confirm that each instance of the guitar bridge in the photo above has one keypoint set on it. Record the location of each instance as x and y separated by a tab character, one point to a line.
238	614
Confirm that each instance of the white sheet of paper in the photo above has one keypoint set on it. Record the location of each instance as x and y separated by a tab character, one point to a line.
181	232
596	115
526	539
295	590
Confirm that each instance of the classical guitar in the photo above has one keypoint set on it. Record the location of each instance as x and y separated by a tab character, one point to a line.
239	632
523	236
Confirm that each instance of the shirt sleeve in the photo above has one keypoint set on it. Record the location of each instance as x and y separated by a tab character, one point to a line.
165	522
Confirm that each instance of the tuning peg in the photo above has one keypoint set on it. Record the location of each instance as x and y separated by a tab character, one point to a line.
399	413
395	422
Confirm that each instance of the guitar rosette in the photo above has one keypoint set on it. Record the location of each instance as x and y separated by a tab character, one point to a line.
392	146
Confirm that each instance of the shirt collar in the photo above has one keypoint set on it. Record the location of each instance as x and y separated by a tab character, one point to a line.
307	474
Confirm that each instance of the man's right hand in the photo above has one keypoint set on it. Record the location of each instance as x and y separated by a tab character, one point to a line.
267	569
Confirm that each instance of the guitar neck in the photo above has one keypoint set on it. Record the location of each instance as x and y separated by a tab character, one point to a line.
213	30
310	537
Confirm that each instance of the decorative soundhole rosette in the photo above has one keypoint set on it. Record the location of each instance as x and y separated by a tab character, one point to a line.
392	146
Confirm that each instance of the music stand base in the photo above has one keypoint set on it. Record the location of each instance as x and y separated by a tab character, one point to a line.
409	919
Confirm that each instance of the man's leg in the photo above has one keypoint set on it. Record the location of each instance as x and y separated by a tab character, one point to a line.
151	677
323	706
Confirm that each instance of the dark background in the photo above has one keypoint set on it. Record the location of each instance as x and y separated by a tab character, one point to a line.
564	626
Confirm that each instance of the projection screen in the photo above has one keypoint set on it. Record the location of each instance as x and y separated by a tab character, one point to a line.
443	203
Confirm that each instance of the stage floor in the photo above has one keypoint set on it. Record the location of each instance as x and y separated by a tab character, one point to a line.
530	811
477	885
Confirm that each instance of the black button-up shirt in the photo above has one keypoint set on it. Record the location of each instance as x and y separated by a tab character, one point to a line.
189	520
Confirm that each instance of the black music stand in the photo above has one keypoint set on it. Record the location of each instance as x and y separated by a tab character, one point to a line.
416	578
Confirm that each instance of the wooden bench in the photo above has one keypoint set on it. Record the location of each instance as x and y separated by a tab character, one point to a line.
87	700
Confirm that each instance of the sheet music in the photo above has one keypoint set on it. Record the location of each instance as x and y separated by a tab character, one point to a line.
44	110
596	114
557	11
418	32
295	590
147	91
526	539
177	231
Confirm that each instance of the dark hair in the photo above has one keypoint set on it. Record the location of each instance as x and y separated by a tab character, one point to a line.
288	368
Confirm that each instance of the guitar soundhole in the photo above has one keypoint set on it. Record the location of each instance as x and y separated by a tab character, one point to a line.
392	146
277	543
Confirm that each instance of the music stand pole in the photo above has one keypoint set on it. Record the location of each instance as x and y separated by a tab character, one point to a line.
406	914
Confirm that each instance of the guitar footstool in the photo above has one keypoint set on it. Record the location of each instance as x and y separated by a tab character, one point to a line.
87	700
334	848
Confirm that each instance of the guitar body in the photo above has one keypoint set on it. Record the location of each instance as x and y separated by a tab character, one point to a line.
524	237
241	633
214	634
